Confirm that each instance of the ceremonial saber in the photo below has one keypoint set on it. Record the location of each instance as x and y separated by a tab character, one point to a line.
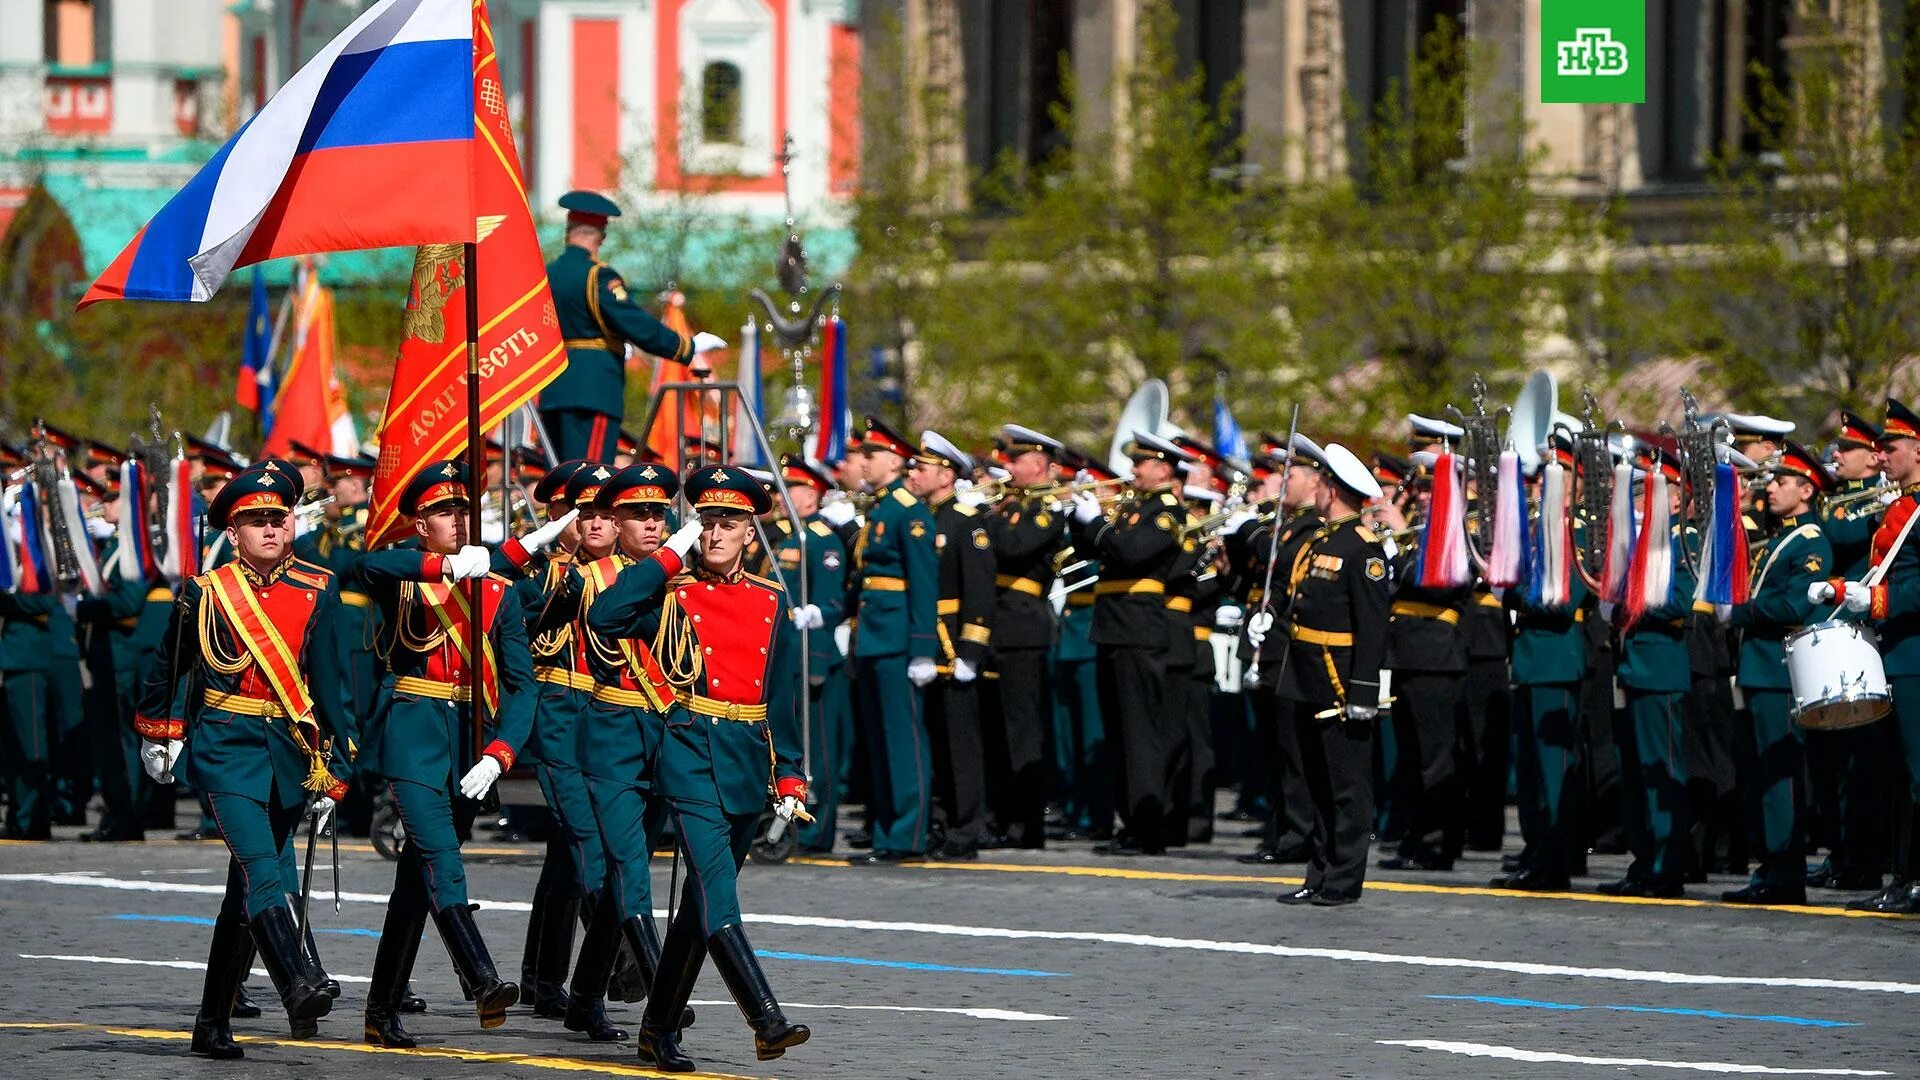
306	877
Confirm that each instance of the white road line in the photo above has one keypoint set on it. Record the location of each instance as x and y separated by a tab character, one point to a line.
977	1014
1511	1053
186	965
1149	941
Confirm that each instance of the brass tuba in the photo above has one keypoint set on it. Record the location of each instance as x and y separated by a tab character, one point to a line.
1697	445
1593	462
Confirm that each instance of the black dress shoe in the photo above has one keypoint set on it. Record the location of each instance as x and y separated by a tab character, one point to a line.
1761	893
1510	862
886	858
244	1007
1531	881
1327	899
1897	898
1237	814
954	853
860	841
1857	882
104	836
192	835
1412	862
1301	895
1126	848
1623	887
411	1002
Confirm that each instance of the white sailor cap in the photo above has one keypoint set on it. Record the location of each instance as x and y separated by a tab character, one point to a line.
997	473
1022	439
1201	494
1307	449
1352	473
1146	445
1424	461
1756	426
1426	427
937	449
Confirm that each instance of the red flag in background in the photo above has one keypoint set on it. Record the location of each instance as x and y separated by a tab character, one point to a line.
520	344
697	414
304	410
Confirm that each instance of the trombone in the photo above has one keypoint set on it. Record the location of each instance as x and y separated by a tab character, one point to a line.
1872	494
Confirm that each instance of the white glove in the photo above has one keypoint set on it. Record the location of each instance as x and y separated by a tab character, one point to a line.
683	539
157	759
1086	507
537	540
1236	521
1889	498
836	513
1258	626
705	342
1820	592
920	670
808	617
1606	610
971	498
1859	597
322	810
790	807
1723	613
99	528
1229	616
843	638
469	562
1389	547
963	672
474	785
1362	712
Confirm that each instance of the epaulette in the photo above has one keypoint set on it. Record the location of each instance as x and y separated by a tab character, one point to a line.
785	526
1809	531
768	582
903	497
310	574
964	510
1168	498
1365	532
819	528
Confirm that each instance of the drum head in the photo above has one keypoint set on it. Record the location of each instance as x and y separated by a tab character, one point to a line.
1842	715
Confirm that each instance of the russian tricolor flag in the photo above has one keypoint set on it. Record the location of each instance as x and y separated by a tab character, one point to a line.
369	145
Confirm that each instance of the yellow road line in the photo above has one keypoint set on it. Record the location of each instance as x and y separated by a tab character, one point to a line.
532	1061
1382	886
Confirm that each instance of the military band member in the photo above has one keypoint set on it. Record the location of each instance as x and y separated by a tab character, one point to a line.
583	407
1139	549
895	641
1027	532
825	565
727	644
248	681
1193	594
1082	739
1336	646
421	743
1796	556
116	641
964	627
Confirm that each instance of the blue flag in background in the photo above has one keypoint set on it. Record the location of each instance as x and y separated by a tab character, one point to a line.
1226	431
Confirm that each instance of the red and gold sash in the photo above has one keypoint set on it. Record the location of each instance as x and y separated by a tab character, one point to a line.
438	597
277	658
641	665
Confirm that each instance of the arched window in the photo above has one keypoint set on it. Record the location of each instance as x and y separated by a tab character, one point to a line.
720	104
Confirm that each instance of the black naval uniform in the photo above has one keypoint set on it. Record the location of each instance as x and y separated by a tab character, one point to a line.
1027	533
965	628
1337	646
1486	731
1138	550
1181	663
1289	835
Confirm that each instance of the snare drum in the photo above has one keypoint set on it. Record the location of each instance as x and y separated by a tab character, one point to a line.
1839	681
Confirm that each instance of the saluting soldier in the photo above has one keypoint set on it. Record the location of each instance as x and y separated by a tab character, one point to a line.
1336	646
895	641
825	568
1026	534
421	743
248	682
1139	550
728	647
583	407
1795	557
964	627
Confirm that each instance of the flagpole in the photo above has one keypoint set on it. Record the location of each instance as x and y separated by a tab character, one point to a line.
477	469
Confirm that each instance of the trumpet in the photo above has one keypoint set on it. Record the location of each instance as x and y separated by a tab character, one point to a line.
1872	494
1068	491
1263	510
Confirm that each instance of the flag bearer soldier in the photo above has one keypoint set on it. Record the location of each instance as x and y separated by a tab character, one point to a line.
1654	671
582	409
1026	534
727	645
1848	770
1139	550
1797	556
964	628
421	743
248	681
116	642
1894	607
828	690
894	645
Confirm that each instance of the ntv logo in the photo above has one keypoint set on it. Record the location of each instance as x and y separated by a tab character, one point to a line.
1592	52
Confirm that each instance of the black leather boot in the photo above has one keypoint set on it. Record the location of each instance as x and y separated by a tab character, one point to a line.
629	982
734	959
244	1007
392	963
555	952
679	965
319	974
490	994
530	952
411	1002
282	952
227	960
586	1009
642	937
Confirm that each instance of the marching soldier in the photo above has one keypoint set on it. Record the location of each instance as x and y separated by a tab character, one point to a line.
248	682
825	567
1139	550
116	641
894	644
1795	557
727	645
421	743
964	627
1026	534
1336	646
337	544
582	409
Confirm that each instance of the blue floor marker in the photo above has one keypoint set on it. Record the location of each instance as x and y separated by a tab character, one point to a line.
1709	1014
195	920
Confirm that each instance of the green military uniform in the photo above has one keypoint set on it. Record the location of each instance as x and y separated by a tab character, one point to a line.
826	576
583	407
1549	661
116	653
1079	733
26	621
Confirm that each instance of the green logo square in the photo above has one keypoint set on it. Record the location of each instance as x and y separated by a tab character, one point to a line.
1593	51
